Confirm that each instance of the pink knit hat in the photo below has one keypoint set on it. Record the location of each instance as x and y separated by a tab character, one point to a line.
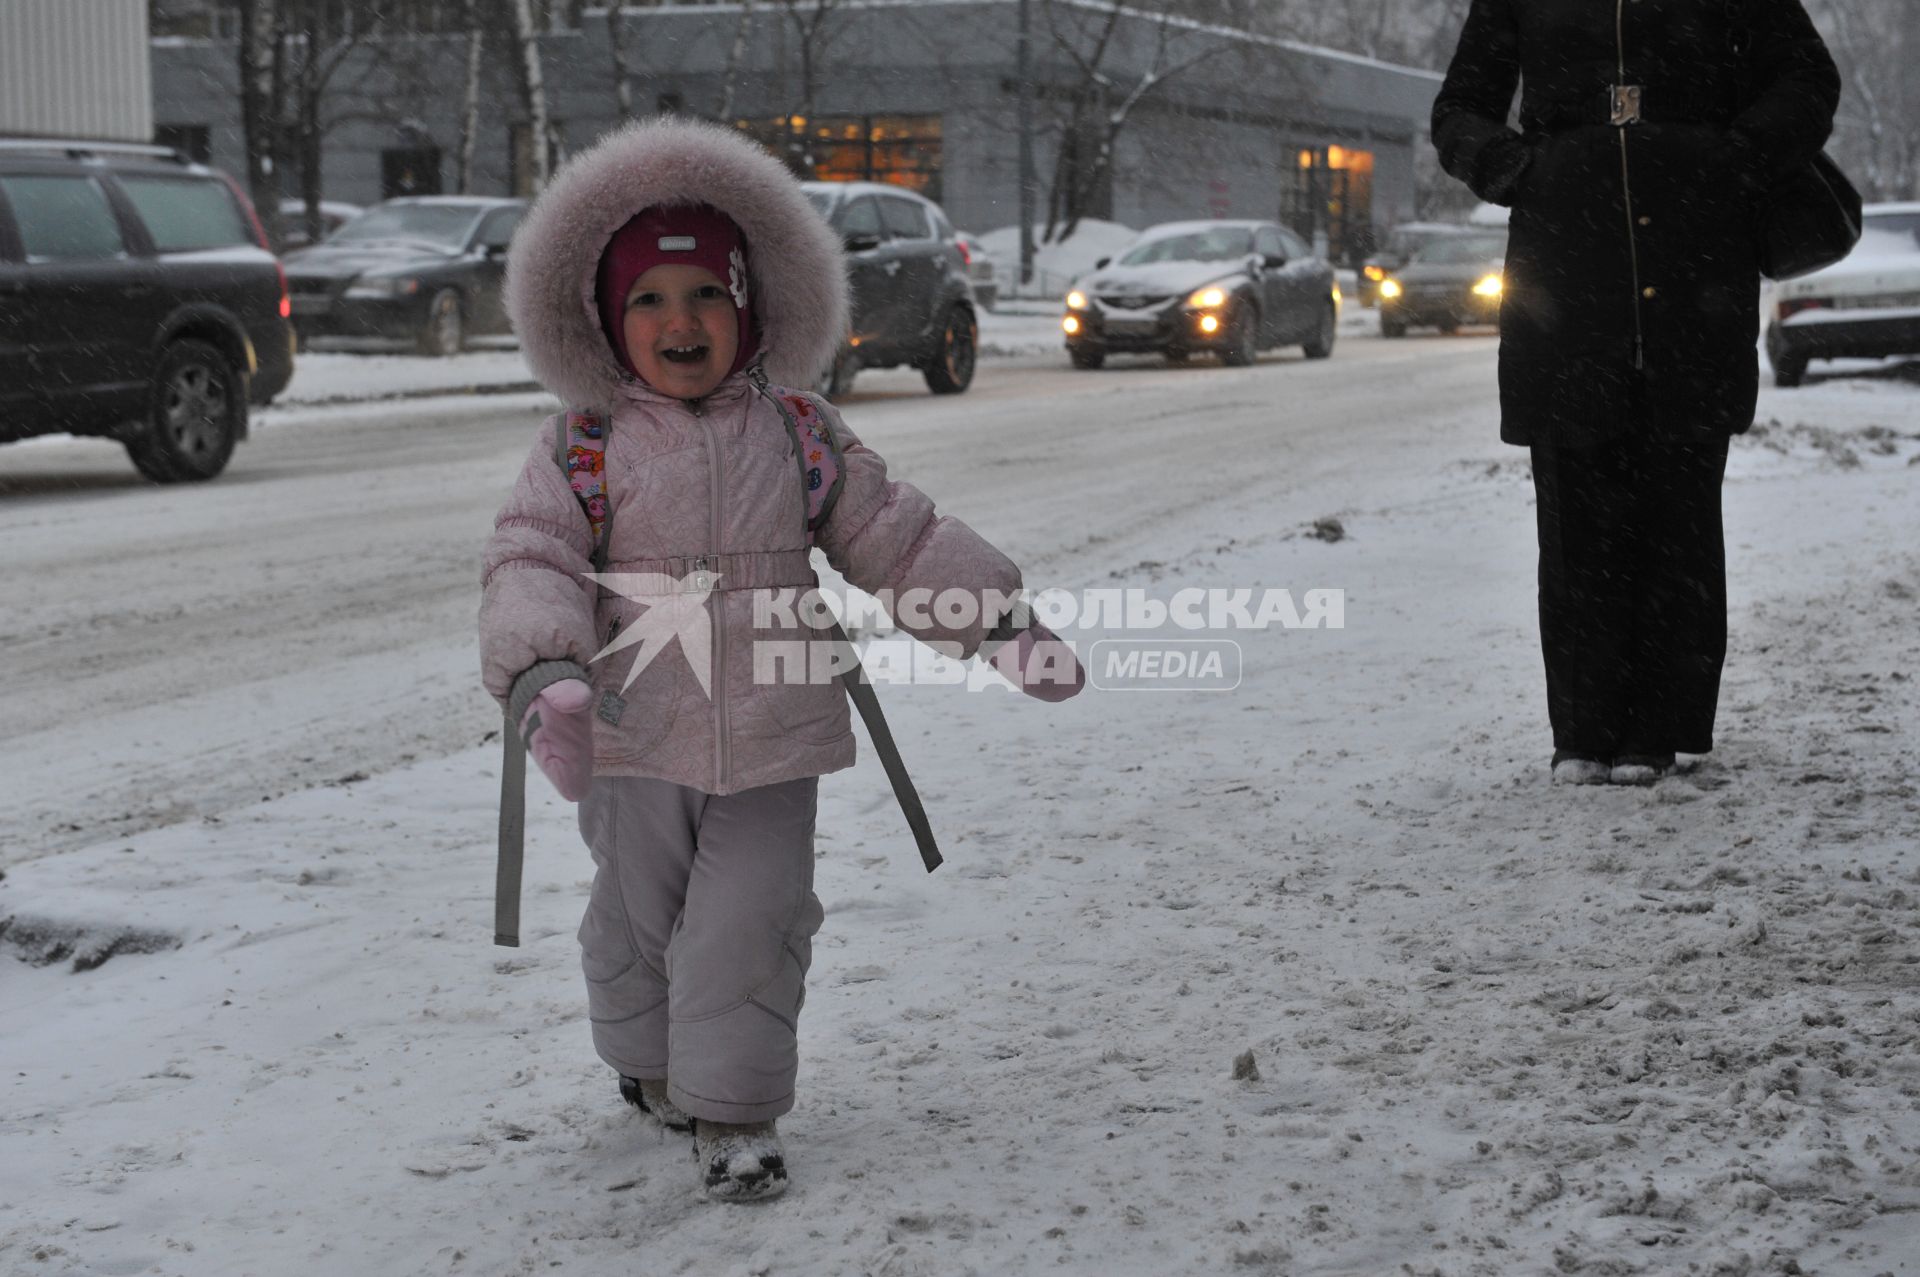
689	234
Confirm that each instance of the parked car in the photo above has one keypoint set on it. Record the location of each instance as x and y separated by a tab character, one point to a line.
293	221
428	269
138	302
912	302
986	288
1864	306
1403	241
1453	280
1233	288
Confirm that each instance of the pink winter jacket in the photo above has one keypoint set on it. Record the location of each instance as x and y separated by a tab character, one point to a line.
691	480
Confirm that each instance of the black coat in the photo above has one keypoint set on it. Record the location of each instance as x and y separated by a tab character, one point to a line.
1632	290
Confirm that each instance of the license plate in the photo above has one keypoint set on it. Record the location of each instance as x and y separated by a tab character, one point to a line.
1132	327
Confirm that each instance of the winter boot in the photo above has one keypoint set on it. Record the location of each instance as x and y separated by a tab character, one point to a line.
649	1095
1640	769
739	1163
1578	769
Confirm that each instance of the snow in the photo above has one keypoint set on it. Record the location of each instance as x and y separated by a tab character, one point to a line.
1055	265
1494	1027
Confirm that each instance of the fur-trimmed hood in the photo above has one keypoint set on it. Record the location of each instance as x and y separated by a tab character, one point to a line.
795	266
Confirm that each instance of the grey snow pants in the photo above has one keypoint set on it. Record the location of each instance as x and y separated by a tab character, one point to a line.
698	936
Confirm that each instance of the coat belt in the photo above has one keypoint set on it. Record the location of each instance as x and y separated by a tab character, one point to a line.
1655	104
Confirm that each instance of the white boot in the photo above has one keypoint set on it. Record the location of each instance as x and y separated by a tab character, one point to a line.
739	1163
649	1095
1576	769
1640	769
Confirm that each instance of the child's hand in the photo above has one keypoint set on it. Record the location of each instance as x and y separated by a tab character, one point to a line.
1039	663
562	743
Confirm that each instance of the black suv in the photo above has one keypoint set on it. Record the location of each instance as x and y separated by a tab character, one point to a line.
426	269
137	301
912	303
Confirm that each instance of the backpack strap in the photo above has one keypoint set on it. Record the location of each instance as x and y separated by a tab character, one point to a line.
580	450
816	451
822	473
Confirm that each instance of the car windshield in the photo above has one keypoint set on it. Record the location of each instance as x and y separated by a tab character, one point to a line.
1891	233
446	224
1456	250
1218	244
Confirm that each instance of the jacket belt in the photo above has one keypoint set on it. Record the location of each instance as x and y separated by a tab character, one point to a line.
751	570
1656	104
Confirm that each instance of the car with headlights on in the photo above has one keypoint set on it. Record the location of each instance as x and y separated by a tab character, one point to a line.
426	269
1450	281
1865	306
1403	241
1230	288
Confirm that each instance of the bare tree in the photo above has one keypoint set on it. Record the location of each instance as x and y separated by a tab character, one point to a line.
811	22
735	56
533	93
622	76
312	40
254	50
470	110
1103	98
1877	134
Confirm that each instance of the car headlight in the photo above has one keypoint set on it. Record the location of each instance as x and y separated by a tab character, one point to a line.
1375	274
1488	287
1389	288
383	286
1071	324
1076	300
1209	297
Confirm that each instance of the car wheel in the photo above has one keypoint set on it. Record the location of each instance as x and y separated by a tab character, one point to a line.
445	331
836	379
1789	372
199	411
1238	350
1392	327
952	368
1320	345
1089	360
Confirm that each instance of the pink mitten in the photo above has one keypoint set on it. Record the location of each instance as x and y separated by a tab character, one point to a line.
562	742
1039	663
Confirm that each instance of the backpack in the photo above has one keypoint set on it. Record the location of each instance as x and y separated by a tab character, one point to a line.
579	449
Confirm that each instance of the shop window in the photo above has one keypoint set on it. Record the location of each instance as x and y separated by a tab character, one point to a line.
903	150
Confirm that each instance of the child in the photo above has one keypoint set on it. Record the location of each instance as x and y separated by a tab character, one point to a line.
661	280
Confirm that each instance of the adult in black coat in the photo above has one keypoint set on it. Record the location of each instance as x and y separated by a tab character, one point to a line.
1649	132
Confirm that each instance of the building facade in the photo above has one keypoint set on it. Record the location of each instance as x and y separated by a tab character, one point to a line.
924	94
75	70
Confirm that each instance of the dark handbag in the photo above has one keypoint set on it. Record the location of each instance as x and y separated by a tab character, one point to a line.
1810	218
1810	215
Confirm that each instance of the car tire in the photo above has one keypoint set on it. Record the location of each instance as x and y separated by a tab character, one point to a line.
1320	345
951	369
1789	372
1239	349
445	331
1086	360
1392	327
836	379
197	415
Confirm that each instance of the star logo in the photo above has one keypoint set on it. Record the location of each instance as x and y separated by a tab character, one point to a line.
676	610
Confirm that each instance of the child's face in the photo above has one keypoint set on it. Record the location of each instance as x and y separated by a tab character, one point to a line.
681	329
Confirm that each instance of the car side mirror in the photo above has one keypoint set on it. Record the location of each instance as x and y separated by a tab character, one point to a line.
1274	259
1102	263
862	241
495	250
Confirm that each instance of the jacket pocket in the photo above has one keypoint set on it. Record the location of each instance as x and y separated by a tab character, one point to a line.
630	720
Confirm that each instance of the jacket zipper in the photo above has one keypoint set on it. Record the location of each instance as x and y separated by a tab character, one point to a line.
717	608
1626	185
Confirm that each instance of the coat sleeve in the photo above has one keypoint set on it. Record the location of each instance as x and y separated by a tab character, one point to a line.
886	538
1470	114
536	607
1793	87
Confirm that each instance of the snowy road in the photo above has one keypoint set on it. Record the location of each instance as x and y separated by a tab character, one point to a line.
310	614
1497	1028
